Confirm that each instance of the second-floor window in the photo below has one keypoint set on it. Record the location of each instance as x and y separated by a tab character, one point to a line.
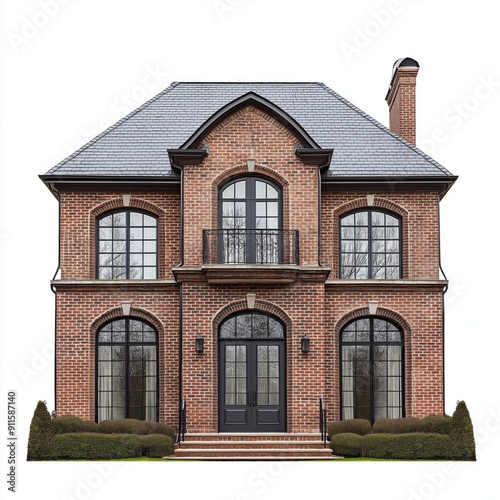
127	245
250	222
370	245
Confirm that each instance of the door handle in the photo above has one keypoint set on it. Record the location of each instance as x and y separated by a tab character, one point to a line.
254	398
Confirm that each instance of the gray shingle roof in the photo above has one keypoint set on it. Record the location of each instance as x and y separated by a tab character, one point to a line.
137	145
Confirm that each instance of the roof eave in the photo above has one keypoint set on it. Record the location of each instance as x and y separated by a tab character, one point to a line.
52	181
440	183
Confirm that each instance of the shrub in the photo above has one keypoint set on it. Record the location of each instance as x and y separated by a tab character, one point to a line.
157	445
133	426
94	446
354	425
40	432
346	444
69	424
157	428
125	426
462	431
397	425
411	446
440	424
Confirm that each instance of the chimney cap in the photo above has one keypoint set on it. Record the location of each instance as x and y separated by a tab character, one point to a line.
405	61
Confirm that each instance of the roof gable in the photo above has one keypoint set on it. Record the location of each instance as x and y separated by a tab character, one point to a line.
256	101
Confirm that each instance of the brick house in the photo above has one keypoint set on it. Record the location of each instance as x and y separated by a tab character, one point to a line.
249	248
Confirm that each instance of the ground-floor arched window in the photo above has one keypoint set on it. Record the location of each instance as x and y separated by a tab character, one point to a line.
127	371
371	369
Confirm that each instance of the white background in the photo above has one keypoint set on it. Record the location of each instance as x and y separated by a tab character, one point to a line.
70	68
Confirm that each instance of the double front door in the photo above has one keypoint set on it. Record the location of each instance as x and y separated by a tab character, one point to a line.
252	377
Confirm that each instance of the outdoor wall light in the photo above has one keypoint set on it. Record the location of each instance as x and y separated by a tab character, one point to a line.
200	341
304	343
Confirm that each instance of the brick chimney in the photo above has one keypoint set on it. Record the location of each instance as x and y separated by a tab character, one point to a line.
401	98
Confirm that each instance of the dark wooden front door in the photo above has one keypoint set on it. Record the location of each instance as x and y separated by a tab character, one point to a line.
252	386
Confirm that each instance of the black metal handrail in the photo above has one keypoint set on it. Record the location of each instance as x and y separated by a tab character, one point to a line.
322	421
250	246
182	424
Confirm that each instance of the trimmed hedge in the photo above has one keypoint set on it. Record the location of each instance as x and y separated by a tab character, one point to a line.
156	445
411	446
397	425
462	431
125	426
432	437
354	425
347	444
66	424
98	446
133	426
70	438
441	424
40	432
434	424
94	446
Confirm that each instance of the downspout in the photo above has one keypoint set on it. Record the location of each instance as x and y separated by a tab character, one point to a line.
319	215
181	306
58	197
445	289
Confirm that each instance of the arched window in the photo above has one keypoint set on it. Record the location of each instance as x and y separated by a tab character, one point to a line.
126	371
127	245
372	379
250	222
370	245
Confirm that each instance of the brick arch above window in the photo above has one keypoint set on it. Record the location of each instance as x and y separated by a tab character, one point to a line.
239	170
378	202
117	313
118	203
259	306
382	312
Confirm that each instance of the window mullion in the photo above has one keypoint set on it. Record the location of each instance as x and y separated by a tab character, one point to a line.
372	375
370	270
127	369
127	245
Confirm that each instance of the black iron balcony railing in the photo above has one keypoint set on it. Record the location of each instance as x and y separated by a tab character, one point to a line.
250	246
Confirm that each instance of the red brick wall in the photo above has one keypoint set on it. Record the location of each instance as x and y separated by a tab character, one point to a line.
250	133
79	210
81	310
306	307
299	306
420	224
402	103
418	312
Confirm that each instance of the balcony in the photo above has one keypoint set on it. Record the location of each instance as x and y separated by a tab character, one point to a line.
250	255
251	246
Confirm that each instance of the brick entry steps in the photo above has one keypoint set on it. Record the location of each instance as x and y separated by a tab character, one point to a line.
250	446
